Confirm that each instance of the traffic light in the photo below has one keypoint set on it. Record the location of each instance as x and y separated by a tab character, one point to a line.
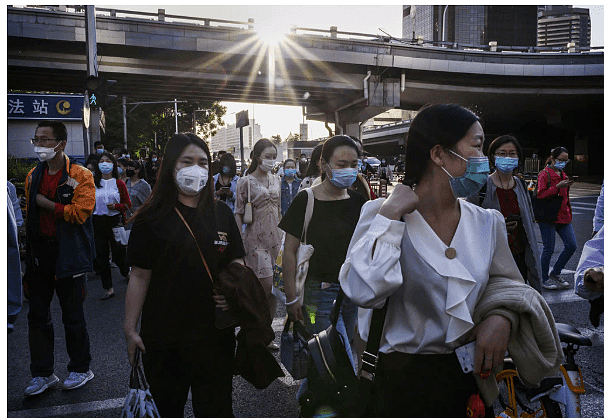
98	91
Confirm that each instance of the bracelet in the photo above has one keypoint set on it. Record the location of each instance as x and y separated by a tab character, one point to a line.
292	302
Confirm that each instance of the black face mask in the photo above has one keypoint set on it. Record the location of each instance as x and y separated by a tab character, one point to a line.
129	172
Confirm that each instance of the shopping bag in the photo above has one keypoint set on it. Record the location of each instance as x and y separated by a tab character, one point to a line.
121	235
139	403
294	349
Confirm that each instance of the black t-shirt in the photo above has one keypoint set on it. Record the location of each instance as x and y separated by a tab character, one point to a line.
179	309
329	231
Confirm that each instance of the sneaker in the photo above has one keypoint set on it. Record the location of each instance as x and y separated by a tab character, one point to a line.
39	384
76	380
108	294
549	284
563	284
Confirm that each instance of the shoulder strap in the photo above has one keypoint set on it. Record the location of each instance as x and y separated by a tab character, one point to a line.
482	194
195	239
310	205
249	196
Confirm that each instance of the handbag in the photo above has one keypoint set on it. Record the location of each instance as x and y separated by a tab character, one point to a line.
139	403
305	250
223	319
247	210
546	210
120	233
333	386
294	348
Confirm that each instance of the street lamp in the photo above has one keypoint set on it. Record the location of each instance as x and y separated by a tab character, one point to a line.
444	14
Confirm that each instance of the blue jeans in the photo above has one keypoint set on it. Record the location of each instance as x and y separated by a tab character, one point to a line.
548	235
318	304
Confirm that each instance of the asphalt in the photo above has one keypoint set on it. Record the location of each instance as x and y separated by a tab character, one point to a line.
103	396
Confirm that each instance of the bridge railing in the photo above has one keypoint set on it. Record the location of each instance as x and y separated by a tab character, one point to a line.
387	125
160	16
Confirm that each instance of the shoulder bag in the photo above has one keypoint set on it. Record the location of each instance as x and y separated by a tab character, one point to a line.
223	319
332	383
305	250
546	210
248	213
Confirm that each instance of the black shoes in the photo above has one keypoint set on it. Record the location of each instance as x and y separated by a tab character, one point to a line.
597	309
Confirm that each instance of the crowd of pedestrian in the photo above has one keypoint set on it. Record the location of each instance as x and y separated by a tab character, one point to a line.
433	248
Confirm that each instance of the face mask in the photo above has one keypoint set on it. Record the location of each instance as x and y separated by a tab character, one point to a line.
560	164
191	180
120	170
290	172
343	177
506	164
45	154
476	175
127	155
106	168
129	173
267	165
100	151
226	170
154	159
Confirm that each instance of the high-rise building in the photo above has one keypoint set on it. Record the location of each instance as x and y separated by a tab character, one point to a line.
560	25
227	139
475	25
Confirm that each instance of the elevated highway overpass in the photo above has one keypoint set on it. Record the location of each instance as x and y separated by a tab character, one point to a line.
545	98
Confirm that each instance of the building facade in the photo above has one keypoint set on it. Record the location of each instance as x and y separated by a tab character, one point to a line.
560	25
227	139
473	25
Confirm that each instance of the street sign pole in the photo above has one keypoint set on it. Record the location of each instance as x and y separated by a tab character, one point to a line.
241	120
92	70
125	122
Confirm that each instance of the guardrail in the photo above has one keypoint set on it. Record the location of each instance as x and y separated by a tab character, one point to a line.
387	125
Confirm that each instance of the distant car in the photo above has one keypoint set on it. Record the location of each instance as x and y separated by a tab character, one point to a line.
374	162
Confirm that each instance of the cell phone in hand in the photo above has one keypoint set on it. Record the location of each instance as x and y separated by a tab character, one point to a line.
465	355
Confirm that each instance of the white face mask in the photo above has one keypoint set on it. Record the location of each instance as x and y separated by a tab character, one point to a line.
191	180
45	154
267	165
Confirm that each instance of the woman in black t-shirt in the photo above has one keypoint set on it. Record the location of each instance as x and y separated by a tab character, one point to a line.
170	285
335	215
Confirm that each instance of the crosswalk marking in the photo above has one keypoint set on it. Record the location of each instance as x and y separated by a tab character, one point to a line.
78	408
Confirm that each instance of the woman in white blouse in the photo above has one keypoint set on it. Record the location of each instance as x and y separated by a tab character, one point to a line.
431	254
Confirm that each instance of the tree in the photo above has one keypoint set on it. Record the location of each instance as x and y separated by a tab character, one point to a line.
147	120
276	139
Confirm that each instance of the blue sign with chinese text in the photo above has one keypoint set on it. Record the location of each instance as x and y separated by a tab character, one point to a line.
45	106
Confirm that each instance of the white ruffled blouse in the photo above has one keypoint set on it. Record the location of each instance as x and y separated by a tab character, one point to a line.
433	288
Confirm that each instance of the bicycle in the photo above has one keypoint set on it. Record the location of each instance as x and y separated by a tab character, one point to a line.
564	389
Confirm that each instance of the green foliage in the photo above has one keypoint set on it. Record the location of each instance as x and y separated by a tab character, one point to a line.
276	139
18	168
146	120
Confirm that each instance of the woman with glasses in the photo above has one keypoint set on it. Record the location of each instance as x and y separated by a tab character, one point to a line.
508	194
553	181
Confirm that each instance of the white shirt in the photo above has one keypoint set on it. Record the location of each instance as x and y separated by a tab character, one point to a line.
108	193
432	297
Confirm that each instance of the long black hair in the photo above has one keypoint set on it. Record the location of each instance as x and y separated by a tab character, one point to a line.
313	169
259	146
436	124
164	195
228	160
97	171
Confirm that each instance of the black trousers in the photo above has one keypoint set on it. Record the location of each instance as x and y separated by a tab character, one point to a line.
421	385
206	368
105	244
71	291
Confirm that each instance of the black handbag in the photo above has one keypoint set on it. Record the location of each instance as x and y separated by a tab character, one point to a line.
333	386
546	210
294	349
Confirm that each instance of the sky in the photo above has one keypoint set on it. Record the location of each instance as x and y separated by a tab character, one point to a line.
278	19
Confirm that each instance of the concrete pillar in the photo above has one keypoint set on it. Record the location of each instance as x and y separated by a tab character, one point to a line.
353	129
493	46
161	15
334	31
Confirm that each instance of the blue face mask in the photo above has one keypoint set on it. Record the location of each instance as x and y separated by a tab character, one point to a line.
476	175
100	150
226	170
106	168
120	170
289	172
560	164
506	164
343	177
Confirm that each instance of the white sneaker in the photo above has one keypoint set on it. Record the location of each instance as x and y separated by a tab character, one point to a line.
549	284
39	384
556	278
76	380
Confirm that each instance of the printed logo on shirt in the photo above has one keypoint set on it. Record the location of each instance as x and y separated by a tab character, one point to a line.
222	241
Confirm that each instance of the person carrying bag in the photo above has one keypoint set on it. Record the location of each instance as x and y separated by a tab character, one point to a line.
139	403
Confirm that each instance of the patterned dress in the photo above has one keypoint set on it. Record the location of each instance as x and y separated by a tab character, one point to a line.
261	238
